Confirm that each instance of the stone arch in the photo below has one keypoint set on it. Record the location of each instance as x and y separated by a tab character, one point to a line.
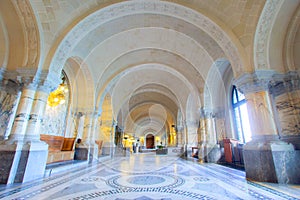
81	83
212	94
137	108
112	73
16	33
217	94
150	140
269	37
181	96
292	44
4	46
226	40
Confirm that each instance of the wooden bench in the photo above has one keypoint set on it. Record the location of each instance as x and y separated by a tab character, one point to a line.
60	148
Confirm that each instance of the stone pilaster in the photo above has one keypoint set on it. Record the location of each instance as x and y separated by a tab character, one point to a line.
266	157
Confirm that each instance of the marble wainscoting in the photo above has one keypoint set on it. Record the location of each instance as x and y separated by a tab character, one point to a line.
149	177
8	107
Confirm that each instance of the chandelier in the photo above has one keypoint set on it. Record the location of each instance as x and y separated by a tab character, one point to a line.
58	96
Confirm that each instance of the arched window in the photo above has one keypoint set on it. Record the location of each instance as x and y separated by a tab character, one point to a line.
241	120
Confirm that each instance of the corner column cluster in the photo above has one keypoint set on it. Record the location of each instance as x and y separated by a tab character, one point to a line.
271	155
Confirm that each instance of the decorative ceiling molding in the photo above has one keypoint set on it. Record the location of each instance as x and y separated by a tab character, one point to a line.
263	31
134	7
31	33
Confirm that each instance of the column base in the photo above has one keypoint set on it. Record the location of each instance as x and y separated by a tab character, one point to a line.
22	162
108	149
272	161
176	151
293	139
209	153
86	152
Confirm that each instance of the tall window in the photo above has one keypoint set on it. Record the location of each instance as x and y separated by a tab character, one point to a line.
242	125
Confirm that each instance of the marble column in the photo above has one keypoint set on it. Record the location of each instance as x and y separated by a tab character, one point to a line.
113	136
87	149
22	114
14	152
192	133
201	147
37	149
285	90
179	149
180	139
266	157
209	150
9	99
192	141
36	115
220	126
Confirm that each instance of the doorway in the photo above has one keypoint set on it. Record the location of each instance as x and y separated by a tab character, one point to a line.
150	141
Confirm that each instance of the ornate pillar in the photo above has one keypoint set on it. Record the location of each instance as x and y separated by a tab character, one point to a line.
220	126
87	149
23	155
209	150
266	157
203	136
36	115
193	138
113	136
22	115
192	133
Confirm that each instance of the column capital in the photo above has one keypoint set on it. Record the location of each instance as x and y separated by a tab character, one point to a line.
26	77
207	113
22	78
48	81
10	86
30	78
254	82
283	83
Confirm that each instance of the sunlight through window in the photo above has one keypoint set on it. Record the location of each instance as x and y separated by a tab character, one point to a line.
241	116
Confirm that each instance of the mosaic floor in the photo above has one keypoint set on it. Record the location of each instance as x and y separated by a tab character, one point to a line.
149	177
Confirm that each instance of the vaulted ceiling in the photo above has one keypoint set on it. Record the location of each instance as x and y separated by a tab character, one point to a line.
156	59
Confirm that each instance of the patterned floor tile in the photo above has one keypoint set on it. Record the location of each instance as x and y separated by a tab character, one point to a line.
149	177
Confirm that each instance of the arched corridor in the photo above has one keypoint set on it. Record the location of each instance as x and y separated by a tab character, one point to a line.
129	81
